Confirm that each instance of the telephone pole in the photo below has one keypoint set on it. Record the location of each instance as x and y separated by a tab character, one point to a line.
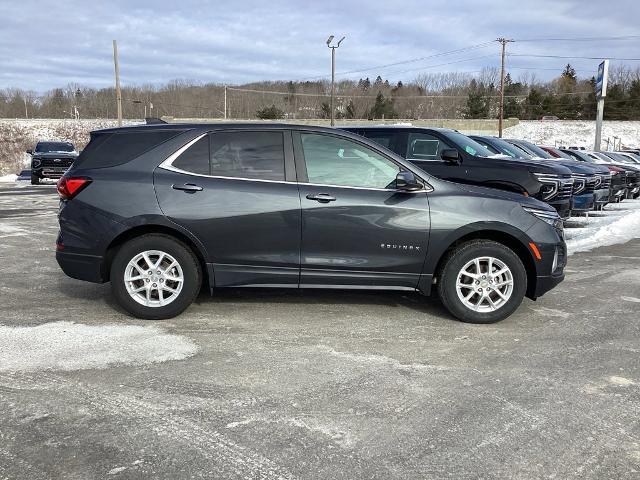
503	41
333	73
225	101
118	94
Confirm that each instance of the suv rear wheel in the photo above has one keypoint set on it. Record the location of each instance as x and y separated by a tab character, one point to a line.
155	277
482	282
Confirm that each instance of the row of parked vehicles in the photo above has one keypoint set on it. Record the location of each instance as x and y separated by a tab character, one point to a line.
572	181
160	210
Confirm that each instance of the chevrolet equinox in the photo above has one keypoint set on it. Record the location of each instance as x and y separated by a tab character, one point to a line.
159	210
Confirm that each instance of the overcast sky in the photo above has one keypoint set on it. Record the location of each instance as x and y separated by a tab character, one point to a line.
48	44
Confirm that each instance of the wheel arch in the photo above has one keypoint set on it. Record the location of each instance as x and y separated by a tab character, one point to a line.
146	229
500	236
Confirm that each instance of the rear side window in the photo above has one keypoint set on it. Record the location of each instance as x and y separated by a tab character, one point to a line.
384	139
253	155
196	158
110	149
422	146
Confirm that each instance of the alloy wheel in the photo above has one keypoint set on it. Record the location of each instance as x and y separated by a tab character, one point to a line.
484	284
153	278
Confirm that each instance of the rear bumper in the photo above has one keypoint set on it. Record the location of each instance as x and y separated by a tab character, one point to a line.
81	266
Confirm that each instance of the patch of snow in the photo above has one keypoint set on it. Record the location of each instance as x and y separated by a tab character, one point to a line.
12	177
11	231
574	133
74	346
621	381
620	224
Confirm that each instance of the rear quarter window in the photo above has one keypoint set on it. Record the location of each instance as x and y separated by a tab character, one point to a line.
116	148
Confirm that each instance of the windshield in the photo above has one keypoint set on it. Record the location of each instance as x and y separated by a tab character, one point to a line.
534	149
578	155
469	145
48	147
509	149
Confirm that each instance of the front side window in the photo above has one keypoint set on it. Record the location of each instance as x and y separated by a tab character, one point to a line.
196	158
467	144
253	155
337	161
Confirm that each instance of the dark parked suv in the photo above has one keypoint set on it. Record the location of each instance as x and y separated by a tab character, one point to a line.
51	160
450	155
159	209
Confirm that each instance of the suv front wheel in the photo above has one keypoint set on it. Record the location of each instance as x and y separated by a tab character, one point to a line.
482	281
155	277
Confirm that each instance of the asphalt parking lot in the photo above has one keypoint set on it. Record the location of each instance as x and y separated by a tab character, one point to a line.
284	384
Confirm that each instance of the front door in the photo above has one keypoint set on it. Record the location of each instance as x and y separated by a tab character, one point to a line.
230	189
357	228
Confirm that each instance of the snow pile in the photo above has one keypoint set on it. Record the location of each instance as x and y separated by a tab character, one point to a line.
73	346
618	223
577	133
12	177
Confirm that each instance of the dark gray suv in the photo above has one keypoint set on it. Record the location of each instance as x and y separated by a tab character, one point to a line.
159	210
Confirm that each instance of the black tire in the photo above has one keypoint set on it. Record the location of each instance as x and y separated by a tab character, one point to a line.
35	180
181	253
458	258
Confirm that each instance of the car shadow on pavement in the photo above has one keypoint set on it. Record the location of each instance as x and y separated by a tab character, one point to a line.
313	298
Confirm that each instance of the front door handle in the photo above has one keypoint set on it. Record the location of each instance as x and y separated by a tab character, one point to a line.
187	187
321	197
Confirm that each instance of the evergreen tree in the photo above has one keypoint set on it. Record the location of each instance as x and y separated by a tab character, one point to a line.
270	113
382	108
477	103
350	111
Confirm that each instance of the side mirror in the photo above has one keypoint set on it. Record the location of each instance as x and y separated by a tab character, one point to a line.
30	152
407	181
450	155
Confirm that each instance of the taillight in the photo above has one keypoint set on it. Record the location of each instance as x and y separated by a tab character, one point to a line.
69	187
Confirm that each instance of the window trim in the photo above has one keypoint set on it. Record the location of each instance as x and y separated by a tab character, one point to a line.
289	169
292	139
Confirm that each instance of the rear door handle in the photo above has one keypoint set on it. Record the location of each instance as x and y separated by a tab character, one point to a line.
321	197
187	187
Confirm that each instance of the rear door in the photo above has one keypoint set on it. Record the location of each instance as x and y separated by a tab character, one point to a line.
357	229
236	192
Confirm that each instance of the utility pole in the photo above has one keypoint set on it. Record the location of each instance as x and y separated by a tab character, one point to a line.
118	94
503	41
26	113
225	101
333	74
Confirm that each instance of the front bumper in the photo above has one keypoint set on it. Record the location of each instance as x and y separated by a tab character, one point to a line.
49	172
582	203
601	197
563	207
546	283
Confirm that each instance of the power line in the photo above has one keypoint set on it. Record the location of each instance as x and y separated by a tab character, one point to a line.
411	60
577	39
572	57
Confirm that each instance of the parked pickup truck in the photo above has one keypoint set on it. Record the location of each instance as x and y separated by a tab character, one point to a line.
51	160
450	155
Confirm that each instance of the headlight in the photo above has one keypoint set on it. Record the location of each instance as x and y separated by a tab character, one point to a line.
579	183
550	217
552	184
36	162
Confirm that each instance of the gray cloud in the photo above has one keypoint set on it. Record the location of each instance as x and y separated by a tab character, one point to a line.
46	44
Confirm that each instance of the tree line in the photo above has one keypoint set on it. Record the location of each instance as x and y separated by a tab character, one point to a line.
432	95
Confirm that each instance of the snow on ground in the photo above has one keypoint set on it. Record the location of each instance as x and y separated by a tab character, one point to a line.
74	346
12	177
617	223
578	133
